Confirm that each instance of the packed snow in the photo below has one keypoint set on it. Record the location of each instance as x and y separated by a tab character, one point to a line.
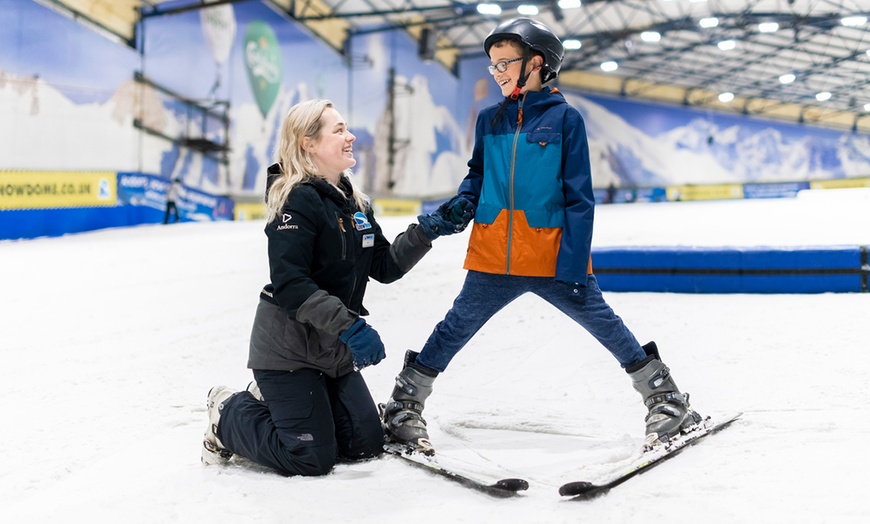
111	340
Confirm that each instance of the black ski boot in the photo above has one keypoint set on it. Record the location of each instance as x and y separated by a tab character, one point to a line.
402	415
669	410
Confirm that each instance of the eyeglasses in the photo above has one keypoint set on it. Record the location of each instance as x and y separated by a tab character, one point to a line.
502	66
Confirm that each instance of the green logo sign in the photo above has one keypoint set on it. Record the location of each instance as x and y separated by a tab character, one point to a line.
263	63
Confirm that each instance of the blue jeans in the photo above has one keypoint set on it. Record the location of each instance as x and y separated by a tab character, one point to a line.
306	423
484	294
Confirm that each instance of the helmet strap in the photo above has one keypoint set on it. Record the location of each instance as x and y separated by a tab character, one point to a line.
521	81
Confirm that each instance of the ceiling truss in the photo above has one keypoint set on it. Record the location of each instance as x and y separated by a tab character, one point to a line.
685	63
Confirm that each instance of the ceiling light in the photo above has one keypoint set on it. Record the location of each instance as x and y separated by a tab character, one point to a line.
708	22
569	4
650	36
572	44
726	97
528	10
727	45
824	95
853	21
489	9
768	27
609	66
787	79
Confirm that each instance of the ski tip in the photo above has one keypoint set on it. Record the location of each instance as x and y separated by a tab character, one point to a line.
572	489
723	421
513	484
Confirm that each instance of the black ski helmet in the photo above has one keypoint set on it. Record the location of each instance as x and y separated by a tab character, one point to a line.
535	35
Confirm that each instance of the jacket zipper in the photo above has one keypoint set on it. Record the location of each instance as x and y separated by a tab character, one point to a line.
511	181
343	239
344	255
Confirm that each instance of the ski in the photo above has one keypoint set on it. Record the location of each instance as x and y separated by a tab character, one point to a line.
503	488
583	490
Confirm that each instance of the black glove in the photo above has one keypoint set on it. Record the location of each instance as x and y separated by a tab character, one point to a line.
458	210
364	343
451	217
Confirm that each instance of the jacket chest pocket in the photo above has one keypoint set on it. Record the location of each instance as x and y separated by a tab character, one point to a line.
544	139
543	151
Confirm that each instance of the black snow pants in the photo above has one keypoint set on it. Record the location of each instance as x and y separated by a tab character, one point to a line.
307	422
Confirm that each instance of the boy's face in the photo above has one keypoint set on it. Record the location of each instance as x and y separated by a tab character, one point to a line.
508	52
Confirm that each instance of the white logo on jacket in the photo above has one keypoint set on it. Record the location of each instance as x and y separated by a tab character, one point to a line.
286	217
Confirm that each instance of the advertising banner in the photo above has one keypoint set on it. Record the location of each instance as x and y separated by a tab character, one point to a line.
138	189
786	189
250	211
56	189
842	183
705	192
398	207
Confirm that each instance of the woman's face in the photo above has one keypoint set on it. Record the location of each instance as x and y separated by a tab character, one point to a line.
332	153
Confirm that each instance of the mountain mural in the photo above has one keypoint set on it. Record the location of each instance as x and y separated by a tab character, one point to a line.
430	154
80	119
704	151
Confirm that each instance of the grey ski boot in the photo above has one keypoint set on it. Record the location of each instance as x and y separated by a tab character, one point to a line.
402	415
669	410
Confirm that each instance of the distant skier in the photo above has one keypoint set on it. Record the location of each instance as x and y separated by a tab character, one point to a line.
171	197
611	194
530	184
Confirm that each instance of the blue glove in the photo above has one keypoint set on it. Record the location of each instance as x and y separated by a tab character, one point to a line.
435	225
451	217
364	343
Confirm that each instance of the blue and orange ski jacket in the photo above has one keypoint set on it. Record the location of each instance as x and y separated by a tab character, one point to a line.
530	178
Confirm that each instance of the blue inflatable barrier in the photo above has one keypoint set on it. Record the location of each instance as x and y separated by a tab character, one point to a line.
834	269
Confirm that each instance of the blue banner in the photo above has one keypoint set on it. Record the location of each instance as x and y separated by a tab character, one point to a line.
141	190
787	189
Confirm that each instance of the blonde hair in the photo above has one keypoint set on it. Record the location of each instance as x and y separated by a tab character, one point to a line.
303	120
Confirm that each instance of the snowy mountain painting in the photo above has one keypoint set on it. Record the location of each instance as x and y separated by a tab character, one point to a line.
45	130
53	117
713	149
430	158
431	147
626	156
49	131
253	140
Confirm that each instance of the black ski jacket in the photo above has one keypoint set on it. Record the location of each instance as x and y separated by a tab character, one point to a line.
322	251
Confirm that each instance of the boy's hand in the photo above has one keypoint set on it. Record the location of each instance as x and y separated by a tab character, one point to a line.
451	217
459	210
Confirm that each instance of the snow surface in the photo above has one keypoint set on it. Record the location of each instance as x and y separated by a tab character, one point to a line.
111	340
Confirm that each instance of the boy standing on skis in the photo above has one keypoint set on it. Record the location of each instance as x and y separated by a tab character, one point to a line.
529	190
